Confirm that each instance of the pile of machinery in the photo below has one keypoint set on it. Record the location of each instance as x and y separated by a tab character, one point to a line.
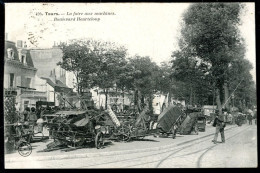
77	129
74	128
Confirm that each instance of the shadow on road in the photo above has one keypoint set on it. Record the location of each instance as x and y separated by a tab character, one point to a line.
150	140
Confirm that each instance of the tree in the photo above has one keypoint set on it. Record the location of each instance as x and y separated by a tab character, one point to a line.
143	82
125	78
94	63
210	33
110	63
240	78
79	57
193	75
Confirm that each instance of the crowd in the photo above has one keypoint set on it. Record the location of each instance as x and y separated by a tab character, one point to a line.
29	119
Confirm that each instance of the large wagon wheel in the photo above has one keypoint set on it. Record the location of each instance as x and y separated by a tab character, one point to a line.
124	133
99	141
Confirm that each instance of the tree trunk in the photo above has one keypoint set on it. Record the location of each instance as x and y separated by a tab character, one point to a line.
194	99
226	95
169	98
218	101
150	104
136	97
139	101
190	96
123	98
78	85
106	93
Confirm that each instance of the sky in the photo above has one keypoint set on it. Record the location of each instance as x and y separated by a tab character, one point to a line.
146	29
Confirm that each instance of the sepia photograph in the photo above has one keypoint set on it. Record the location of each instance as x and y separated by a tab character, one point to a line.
130	85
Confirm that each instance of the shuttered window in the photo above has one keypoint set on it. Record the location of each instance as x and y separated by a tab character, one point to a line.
11	80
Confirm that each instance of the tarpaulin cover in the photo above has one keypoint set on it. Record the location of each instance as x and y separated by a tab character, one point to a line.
168	117
188	123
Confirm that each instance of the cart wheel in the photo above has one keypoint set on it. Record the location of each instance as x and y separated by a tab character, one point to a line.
99	141
125	133
24	149
125	137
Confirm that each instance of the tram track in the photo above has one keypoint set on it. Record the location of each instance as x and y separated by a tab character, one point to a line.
201	156
175	151
210	148
181	149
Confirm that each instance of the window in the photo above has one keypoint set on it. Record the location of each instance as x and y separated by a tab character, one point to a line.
11	80
22	58
28	82
26	104
10	53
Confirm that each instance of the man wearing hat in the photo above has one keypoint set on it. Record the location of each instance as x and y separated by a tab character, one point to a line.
219	123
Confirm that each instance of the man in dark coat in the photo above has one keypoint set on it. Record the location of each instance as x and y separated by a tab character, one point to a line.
219	123
250	118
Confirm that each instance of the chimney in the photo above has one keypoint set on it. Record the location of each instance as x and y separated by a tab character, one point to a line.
54	75
25	45
19	43
6	36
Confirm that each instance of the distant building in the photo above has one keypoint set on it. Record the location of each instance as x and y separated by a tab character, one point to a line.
45	60
56	81
19	75
114	98
159	103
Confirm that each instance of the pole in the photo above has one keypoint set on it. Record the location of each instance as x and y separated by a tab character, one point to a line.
231	94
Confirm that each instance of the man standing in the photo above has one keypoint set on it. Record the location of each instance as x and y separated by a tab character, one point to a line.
219	123
250	117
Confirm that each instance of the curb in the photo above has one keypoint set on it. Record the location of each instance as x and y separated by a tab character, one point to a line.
109	153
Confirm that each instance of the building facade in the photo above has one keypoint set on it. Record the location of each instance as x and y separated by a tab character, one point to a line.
19	75
45	60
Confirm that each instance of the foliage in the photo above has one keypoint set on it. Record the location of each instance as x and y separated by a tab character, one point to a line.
212	51
79	57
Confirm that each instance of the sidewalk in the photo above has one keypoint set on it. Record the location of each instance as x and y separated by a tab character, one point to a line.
149	143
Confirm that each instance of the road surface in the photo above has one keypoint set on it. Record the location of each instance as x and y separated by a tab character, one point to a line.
239	150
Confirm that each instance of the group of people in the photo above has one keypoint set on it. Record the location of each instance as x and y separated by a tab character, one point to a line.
28	119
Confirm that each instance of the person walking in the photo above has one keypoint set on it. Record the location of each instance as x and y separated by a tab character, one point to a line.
250	117
219	123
